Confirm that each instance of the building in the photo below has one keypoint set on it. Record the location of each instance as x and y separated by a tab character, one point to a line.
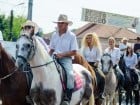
104	32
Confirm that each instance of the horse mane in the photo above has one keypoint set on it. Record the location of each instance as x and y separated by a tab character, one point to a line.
41	50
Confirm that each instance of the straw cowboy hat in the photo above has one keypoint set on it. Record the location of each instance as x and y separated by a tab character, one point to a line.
124	38
33	24
63	18
138	38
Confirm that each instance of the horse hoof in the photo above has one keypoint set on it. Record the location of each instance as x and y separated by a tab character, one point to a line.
65	103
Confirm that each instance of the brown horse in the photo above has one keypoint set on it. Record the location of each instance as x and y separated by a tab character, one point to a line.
13	84
78	59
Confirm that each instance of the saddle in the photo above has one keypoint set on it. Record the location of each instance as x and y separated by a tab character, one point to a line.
78	82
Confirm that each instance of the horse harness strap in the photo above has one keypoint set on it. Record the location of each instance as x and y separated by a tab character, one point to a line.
8	75
42	64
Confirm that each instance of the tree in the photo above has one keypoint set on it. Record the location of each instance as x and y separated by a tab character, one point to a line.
5	24
17	23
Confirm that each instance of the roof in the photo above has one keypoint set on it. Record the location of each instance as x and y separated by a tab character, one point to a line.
105	31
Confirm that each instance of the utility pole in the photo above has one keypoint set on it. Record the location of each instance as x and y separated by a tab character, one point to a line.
30	4
11	25
11	21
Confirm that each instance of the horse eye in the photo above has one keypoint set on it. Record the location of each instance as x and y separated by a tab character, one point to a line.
28	45
17	46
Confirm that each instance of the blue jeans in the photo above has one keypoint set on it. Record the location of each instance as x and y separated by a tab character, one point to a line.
66	62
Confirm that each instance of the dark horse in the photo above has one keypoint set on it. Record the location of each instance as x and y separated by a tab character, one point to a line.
128	85
13	84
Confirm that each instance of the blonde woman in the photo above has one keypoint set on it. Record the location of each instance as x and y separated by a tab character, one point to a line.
115	57
91	51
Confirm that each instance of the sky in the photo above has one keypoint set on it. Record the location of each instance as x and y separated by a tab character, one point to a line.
45	12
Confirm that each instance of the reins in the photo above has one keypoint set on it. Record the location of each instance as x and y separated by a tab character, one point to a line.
42	65
8	75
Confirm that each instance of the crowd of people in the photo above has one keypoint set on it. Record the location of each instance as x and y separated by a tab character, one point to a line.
63	45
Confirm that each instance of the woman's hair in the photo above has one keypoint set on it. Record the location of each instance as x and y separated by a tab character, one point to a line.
112	38
129	47
95	41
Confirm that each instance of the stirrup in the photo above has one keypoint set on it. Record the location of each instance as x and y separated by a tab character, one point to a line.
101	96
29	100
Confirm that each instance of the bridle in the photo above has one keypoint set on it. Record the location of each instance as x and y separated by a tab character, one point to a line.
106	54
33	47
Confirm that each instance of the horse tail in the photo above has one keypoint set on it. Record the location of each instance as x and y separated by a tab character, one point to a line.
92	98
89	93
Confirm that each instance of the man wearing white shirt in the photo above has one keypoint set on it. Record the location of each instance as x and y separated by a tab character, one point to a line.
64	45
123	46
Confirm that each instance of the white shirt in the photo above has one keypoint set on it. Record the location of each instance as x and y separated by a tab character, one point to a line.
91	55
64	43
115	54
121	47
131	61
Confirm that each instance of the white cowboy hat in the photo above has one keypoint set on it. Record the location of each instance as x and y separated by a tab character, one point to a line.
63	18
33	24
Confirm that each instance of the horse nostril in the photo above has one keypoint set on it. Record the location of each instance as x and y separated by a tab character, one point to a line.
19	63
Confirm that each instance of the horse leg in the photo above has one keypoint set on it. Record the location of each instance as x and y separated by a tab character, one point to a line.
120	96
131	98
137	97
127	97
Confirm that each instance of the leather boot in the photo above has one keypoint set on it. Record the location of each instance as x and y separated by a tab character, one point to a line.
29	100
67	97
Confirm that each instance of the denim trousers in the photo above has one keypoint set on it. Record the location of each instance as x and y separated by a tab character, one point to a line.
66	62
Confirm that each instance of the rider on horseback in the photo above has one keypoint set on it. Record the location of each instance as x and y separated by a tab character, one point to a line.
137	51
33	29
131	61
115	56
123	45
64	45
91	51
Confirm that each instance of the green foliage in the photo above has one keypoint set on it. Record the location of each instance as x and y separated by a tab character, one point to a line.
5	26
17	23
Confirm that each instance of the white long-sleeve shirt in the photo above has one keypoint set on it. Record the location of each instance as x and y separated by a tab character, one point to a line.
115	54
64	43
91	55
131	61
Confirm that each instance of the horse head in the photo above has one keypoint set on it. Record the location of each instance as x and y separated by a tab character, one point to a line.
106	63
25	49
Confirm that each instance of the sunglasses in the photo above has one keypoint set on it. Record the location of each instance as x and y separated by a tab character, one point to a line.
28	27
62	23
